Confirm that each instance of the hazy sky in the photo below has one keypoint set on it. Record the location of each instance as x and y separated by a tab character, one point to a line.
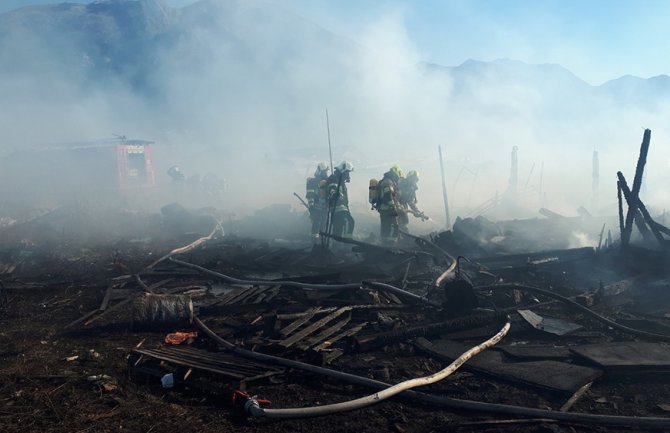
598	40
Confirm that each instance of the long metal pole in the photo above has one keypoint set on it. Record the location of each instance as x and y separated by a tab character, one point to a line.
330	148
444	190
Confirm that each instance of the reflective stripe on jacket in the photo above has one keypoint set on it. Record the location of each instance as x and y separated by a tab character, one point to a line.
340	199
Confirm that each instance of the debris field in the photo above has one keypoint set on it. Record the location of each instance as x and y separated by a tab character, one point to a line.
160	329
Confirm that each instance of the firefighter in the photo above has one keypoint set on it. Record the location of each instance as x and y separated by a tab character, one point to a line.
317	198
388	205
407	187
341	221
176	174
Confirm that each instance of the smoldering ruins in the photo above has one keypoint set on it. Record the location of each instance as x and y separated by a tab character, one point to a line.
157	270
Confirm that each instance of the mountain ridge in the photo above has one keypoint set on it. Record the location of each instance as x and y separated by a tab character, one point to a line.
106	28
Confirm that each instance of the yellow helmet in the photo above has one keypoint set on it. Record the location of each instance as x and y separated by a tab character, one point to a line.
397	170
413	173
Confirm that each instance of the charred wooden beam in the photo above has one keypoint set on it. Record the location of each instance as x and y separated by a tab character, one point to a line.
369	342
620	200
214	362
635	191
313	327
630	198
552	215
344	334
642	227
325	334
300	321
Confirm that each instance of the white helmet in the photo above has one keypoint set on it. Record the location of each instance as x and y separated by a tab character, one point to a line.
322	168
344	167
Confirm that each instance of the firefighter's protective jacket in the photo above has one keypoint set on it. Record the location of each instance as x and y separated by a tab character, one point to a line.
407	197
388	194
338	195
316	193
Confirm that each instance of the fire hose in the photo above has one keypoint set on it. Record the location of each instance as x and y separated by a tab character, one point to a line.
347	286
252	406
446	402
578	306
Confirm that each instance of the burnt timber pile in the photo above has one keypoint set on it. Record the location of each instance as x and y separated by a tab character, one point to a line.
201	331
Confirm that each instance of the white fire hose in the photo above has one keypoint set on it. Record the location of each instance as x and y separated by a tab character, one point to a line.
253	408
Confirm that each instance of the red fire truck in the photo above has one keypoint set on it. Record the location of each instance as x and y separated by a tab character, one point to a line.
102	170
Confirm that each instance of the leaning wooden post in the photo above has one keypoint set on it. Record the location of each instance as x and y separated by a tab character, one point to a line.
637	183
620	199
642	209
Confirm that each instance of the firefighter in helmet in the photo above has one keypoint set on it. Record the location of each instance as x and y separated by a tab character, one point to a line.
176	174
407	187
341	221
317	198
388	205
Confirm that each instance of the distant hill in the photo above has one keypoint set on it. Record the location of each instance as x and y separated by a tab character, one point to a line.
554	82
638	91
122	38
143	63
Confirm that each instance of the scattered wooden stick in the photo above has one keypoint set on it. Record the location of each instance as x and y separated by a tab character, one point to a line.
576	396
190	247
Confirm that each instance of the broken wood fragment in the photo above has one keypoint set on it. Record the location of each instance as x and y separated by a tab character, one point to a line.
299	322
575	397
313	327
325	334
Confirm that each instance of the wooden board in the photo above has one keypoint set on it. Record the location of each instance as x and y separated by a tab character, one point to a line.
535	353
552	375
627	355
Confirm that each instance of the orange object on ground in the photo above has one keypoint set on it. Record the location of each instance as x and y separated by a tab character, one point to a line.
179	337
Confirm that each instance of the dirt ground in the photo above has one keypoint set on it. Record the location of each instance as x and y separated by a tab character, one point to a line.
51	377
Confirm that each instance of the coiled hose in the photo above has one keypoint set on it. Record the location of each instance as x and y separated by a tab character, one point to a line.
348	286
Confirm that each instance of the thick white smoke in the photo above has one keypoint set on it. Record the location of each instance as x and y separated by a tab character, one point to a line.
240	89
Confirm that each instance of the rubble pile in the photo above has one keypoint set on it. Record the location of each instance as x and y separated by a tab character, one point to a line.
193	327
105	330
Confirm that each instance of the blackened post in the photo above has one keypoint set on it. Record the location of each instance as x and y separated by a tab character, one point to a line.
642	209
637	183
642	227
618	194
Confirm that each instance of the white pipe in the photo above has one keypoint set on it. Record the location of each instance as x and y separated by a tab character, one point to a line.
253	408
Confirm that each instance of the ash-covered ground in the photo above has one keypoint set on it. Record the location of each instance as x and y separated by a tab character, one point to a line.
86	308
